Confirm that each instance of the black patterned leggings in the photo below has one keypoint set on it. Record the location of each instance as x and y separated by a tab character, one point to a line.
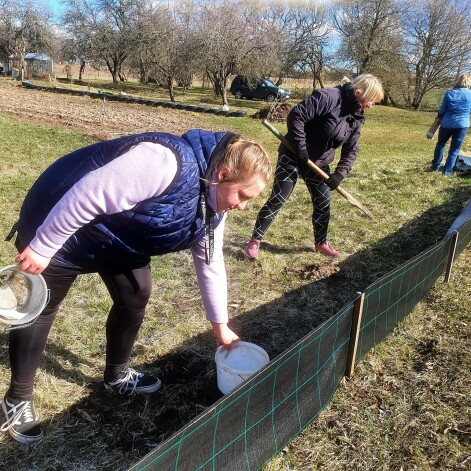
130	291
286	175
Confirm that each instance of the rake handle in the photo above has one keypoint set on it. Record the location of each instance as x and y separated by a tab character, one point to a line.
351	199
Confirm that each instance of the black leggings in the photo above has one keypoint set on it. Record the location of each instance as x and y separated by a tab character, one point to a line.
130	291
286	175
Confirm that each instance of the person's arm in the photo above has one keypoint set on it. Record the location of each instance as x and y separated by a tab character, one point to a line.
140	172
443	107
212	282
349	153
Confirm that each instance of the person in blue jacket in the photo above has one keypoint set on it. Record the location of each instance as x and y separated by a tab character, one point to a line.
330	118
106	209
454	123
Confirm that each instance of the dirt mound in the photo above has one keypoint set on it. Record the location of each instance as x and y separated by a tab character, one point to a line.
314	272
277	112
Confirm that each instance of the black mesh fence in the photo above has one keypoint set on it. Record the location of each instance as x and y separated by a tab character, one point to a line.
392	297
245	428
248	426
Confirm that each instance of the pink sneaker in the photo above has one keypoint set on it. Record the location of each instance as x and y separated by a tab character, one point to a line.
251	249
326	249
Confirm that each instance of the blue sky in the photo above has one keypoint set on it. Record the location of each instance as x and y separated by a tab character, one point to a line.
54	5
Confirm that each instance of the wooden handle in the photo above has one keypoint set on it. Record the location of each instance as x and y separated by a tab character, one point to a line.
351	199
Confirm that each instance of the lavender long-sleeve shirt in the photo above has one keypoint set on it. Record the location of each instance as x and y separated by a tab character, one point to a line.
145	171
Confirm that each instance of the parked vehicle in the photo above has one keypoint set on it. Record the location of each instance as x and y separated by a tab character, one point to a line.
262	88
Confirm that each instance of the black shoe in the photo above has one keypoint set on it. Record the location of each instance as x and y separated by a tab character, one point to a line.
22	422
133	382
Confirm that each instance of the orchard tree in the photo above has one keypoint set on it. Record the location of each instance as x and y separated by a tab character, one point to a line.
439	42
370	31
174	45
24	27
226	43
298	34
106	30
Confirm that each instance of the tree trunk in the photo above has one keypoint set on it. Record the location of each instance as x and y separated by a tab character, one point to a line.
418	96
220	88
170	89
121	75
113	71
388	98
420	82
143	74
224	97
82	68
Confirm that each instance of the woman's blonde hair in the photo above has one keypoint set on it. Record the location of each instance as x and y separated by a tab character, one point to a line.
244	159
369	86
463	81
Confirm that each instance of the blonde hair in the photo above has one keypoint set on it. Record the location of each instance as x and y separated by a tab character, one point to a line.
369	86
244	158
463	81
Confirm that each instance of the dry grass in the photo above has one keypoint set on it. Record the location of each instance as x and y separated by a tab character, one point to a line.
405	406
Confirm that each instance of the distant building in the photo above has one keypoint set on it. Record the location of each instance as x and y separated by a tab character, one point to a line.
38	64
33	65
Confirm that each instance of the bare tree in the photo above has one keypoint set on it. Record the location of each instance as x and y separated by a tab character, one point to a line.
107	29
81	36
24	27
370	31
372	40
174	51
142	60
438	43
317	58
226	41
299	34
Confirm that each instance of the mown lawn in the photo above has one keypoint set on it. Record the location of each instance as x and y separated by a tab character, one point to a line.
408	404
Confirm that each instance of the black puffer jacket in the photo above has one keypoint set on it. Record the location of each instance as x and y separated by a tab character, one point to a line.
326	120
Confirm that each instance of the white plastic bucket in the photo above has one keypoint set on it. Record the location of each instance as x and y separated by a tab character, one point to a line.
22	296
237	364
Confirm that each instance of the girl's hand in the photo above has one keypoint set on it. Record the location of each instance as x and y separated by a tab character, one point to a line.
224	335
31	262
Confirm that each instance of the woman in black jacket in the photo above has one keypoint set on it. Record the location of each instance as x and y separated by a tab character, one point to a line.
328	119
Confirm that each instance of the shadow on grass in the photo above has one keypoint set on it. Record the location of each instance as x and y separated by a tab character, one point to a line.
101	427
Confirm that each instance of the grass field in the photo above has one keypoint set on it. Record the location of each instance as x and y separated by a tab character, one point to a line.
406	408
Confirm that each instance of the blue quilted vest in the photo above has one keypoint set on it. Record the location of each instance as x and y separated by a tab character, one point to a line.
170	222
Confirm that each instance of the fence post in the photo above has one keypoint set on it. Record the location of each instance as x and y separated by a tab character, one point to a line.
451	256
354	334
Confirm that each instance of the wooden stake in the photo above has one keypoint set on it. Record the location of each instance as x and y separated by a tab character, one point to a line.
451	256
354	335
103	111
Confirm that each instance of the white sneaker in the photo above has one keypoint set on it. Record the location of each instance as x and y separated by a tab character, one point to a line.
22	422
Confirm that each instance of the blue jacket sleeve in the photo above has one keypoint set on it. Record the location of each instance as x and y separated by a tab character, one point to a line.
442	111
